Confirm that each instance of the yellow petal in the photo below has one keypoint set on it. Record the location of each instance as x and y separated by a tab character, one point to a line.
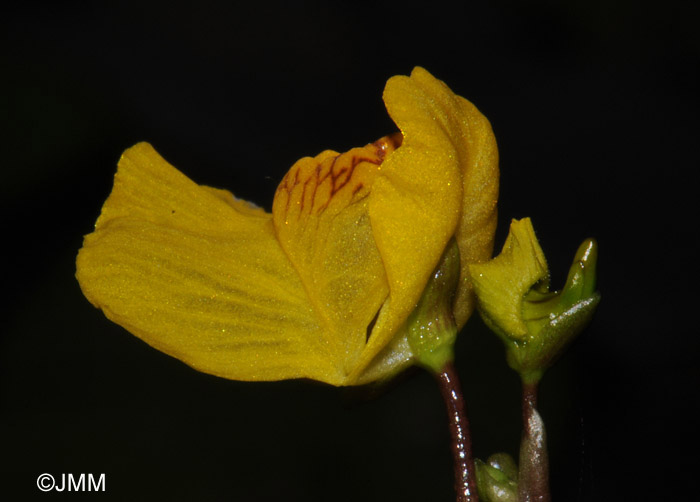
321	219
416	204
477	226
502	282
199	275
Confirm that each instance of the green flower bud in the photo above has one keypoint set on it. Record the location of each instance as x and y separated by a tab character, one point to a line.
497	480
535	324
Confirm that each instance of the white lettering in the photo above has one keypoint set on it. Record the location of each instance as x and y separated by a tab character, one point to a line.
76	487
96	487
63	484
76	483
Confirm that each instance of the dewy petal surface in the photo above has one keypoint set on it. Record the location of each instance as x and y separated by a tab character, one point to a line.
443	181
321	218
477	152
199	275
477	225
322	287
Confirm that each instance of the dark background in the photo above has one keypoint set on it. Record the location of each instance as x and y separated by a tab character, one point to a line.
594	105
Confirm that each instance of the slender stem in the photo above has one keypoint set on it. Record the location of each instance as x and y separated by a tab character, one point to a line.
533	483
465	474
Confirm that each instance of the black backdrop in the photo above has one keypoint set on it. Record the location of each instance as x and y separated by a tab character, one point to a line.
594	105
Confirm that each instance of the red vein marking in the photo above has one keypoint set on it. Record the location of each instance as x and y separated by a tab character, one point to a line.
338	179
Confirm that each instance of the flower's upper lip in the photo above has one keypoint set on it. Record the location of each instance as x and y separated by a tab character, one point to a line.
446	160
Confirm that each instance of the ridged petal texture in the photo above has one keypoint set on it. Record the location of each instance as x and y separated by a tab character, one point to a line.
321	288
200	275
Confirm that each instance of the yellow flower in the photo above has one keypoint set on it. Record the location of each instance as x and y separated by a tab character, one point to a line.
503	283
322	287
535	324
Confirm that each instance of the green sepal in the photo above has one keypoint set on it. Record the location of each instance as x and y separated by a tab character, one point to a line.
533	356
554	319
431	326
